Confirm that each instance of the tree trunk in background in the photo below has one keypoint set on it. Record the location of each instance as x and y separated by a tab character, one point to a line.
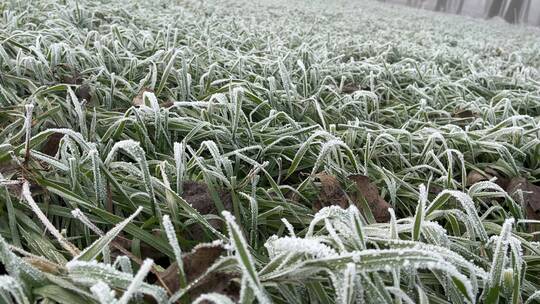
526	12
513	13
495	8
460	6
441	5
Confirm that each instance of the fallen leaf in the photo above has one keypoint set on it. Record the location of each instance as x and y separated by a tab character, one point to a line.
15	187
51	145
349	88
198	195
84	92
435	189
463	117
379	207
331	192
531	199
9	167
167	104
139	100
196	263
474	177
75	78
465	114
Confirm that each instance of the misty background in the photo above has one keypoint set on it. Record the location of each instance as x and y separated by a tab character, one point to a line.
512	11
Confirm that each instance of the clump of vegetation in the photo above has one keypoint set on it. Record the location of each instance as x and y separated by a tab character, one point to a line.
288	152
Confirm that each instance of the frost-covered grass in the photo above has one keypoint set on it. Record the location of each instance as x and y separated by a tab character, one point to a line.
254	98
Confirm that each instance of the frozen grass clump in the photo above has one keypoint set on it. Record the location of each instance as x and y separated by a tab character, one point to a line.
153	152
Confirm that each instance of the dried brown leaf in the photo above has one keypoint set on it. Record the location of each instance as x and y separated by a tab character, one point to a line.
331	192
198	195
84	92
349	88
9	167
475	176
51	145
379	207
531	198
464	114
196	263
139	100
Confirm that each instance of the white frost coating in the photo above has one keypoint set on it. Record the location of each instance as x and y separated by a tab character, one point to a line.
10	286
125	264
103	293
154	104
345	293
312	247
333	235
215	298
130	146
98	180
326	212
470	209
79	111
173	241
133	148
77	137
108	237
43	218
179	159
85	220
90	273
393	224
81	271
289	227
28	125
129	168
245	260
499	254
137	281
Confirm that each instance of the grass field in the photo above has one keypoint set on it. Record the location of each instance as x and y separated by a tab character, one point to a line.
266	151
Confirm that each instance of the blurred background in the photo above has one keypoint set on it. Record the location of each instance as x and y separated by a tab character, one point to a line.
512	11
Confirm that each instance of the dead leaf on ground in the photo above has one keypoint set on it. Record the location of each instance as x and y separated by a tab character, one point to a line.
9	167
333	194
139	100
15	187
531	199
51	145
84	92
464	114
475	176
463	117
198	195
196	263
379	207
349	88
74	78
167	104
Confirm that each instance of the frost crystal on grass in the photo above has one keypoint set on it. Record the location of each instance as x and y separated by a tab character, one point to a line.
312	247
